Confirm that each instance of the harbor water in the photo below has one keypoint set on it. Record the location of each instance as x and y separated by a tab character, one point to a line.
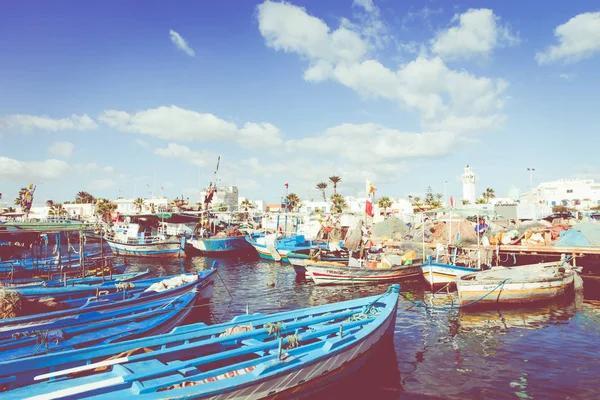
544	352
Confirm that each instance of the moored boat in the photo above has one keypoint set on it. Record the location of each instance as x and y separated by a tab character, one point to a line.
151	246
439	274
93	328
516	285
272	247
388	269
253	356
217	246
162	289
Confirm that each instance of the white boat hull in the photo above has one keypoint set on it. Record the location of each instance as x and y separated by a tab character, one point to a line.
436	274
514	290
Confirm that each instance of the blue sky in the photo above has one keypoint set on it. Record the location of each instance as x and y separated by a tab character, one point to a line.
119	98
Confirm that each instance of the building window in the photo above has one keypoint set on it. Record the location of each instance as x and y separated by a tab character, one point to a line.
569	190
554	203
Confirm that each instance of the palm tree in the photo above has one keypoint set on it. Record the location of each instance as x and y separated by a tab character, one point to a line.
384	203
105	207
339	203
139	204
84	198
466	202
58	211
293	201
221	207
49	203
416	201
489	194
246	205
335	180
481	200
322	186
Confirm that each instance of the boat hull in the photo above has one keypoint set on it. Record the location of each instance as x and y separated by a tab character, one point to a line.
443	274
162	250
512	291
312	378
277	250
217	246
334	273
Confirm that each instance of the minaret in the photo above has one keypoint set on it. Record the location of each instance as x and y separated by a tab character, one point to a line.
468	180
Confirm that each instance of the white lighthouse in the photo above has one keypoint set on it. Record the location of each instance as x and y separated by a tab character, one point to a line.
468	180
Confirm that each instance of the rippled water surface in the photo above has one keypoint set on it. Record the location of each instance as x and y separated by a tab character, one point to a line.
545	353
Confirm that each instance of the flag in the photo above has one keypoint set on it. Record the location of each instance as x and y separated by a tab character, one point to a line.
451	201
286	185
369	208
369	188
0	196
162	188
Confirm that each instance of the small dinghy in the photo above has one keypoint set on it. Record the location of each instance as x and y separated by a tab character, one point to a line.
251	357
516	285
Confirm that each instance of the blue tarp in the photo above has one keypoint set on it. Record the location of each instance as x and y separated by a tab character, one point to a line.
581	235
573	238
590	231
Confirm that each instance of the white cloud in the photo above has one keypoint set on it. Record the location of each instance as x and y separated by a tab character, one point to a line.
26	122
32	171
62	149
259	135
185	154
444	97
171	123
181	43
101	184
142	143
366	4
578	38
478	33
363	143
289	28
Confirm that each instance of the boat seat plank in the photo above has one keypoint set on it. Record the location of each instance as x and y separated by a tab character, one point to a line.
250	349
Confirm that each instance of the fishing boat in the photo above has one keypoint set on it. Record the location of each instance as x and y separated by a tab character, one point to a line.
388	269
88	280
298	257
276	247
253	356
94	328
44	263
75	295
130	243
439	274
217	246
516	285
163	290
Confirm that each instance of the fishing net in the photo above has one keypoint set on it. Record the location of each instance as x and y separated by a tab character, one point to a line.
10	304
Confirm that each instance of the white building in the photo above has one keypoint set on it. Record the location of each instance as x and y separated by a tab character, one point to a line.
468	179
224	194
578	193
127	206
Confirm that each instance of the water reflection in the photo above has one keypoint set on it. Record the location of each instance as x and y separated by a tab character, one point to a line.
542	352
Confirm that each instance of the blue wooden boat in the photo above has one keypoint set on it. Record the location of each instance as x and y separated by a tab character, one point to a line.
216	246
84	330
116	301
272	247
77	295
253	356
43	263
88	280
